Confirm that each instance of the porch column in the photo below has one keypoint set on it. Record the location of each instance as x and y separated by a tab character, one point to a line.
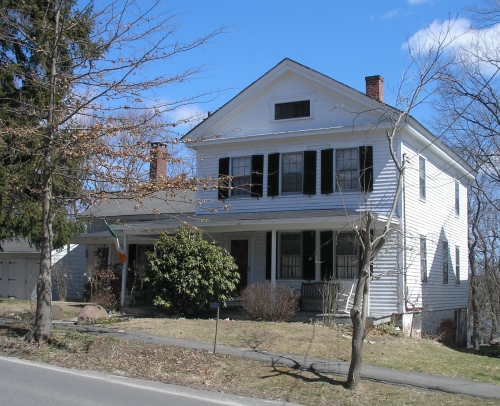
124	273
110	255
273	257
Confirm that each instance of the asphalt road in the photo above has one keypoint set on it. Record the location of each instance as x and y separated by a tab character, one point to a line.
33	383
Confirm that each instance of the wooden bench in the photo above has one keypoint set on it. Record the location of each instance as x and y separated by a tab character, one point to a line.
311	295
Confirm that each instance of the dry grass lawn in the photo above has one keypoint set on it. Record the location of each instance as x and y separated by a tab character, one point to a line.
382	349
204	370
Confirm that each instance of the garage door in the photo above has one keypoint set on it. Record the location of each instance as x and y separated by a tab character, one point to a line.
17	277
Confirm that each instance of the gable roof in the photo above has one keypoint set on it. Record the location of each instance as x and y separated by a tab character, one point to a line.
288	65
285	66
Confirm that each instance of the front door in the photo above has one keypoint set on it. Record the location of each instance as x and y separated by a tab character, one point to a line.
239	251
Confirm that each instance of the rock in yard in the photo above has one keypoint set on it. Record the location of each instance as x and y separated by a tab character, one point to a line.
90	313
57	313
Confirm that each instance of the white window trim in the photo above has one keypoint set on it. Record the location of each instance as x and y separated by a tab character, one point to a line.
297	97
279	277
242	196
421	158
282	172
457	197
336	188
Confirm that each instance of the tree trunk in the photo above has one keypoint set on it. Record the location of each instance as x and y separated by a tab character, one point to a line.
473	298
358	319
43	319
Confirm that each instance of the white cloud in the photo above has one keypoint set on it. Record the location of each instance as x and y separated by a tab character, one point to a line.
454	32
475	45
186	117
391	14
190	113
418	1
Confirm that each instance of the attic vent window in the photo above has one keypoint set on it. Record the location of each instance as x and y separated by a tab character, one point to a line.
295	109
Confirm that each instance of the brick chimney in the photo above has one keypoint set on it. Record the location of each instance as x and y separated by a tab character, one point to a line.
158	161
375	87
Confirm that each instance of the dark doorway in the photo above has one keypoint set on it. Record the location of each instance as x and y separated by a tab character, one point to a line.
239	251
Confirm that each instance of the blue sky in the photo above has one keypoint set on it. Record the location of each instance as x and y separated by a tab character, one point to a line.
346	40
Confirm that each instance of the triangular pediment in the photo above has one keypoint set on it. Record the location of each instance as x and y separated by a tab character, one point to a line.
252	111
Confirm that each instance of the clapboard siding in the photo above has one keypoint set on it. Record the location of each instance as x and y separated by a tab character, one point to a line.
380	198
435	219
385	294
329	107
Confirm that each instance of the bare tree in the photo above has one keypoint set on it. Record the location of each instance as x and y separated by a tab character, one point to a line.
91	64
419	84
469	118
484	257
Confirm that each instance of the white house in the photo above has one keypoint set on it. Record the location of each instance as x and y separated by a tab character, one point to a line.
20	265
300	157
305	155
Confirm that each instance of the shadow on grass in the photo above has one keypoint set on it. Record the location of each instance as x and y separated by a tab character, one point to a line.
297	371
14	330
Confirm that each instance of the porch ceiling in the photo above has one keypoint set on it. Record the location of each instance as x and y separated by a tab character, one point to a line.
146	231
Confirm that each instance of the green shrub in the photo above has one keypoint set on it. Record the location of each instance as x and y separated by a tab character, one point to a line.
187	272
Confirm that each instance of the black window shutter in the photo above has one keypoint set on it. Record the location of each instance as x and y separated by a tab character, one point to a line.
257	176
308	253
223	178
327	171
366	168
273	174
309	180
326	240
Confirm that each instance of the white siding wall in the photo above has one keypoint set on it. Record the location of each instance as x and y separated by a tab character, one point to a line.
435	219
384	297
76	263
255	114
385	289
380	198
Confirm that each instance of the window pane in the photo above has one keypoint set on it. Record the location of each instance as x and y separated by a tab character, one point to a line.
457	198
457	265
423	258
292	110
347	264
347	169
291	256
241	169
292	171
421	174
445	262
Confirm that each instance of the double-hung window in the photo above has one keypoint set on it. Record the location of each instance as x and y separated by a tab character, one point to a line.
241	176
241	170
292	170
346	258
421	178
457	265
291	256
423	258
445	261
347	169
457	198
